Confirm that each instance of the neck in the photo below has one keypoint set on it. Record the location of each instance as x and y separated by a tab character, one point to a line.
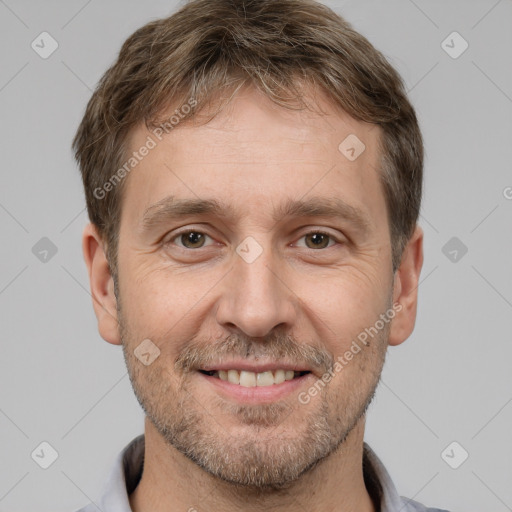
172	480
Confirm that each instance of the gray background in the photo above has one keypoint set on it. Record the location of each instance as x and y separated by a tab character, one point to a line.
451	381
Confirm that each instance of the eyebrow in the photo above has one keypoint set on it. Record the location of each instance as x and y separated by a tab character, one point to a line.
171	208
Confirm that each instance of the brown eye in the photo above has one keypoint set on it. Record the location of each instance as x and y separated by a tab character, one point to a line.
191	239
317	240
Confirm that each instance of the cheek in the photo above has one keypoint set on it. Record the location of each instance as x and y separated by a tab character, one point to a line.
160	303
348	311
345	304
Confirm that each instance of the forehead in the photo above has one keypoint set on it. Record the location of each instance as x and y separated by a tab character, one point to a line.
255	156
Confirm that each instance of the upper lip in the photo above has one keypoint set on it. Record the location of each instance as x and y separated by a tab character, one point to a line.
258	367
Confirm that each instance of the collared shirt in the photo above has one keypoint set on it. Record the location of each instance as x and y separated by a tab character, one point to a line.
127	472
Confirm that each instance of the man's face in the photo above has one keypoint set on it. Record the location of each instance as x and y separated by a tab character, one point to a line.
250	289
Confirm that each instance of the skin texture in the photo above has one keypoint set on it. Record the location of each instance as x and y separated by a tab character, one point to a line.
296	302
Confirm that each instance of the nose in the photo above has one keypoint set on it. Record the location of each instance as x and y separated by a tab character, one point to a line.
256	297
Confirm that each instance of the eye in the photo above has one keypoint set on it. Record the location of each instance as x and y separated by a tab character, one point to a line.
194	239
189	239
318	240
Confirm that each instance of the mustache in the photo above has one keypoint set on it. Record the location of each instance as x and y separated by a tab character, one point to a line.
275	347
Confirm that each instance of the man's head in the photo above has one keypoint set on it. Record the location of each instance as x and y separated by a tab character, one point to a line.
204	53
253	177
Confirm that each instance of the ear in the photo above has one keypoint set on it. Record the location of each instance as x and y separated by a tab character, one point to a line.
405	289
102	285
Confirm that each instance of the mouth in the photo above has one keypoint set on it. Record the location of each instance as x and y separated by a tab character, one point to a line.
249	379
248	383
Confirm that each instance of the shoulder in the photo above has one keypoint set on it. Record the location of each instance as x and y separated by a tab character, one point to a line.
414	506
89	508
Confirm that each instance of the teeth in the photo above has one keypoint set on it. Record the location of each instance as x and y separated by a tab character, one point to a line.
251	379
279	376
264	379
233	377
247	379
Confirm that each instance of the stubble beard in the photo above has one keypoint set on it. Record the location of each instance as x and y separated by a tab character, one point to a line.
273	445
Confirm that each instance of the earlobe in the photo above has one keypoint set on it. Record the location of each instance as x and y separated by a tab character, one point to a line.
405	290
101	284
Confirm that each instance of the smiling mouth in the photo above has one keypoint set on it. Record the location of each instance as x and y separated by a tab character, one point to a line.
249	379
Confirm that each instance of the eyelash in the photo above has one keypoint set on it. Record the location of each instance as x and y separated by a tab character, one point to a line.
313	232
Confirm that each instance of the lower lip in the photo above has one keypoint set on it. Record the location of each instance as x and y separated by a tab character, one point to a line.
257	394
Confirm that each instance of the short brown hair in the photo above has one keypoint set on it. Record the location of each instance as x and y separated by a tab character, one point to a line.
209	48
